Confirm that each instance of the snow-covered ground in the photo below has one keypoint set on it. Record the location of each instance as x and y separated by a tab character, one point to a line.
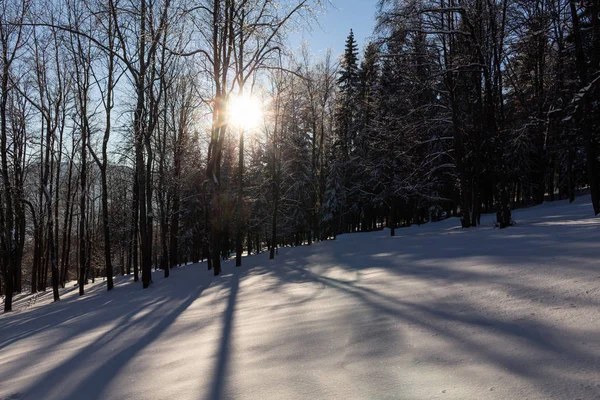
436	312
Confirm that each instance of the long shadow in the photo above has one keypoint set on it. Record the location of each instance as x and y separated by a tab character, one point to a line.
524	331
544	338
220	372
28	322
96	381
123	322
42	321
119	309
441	261
75	318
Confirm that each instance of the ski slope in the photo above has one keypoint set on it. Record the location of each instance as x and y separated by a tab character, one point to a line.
437	312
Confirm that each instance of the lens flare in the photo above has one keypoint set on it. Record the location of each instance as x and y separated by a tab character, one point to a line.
245	112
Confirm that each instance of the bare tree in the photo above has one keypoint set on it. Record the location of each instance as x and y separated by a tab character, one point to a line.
12	39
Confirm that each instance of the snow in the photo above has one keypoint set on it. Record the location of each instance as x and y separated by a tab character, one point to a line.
437	312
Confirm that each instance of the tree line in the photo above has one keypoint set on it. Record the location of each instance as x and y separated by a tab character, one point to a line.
464	107
118	155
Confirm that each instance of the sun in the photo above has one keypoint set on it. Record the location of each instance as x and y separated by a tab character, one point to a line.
245	112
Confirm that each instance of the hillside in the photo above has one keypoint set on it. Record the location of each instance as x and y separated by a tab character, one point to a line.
437	312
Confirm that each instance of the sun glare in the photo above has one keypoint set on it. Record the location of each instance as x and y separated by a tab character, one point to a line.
245	112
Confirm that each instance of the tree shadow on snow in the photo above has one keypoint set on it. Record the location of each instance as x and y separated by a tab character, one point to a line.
521	347
76	319
220	370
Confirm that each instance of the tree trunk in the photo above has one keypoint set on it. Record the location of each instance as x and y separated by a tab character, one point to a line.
104	167
275	211
238	206
134	225
82	212
584	120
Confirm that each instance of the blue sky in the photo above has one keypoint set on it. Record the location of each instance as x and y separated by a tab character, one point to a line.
333	26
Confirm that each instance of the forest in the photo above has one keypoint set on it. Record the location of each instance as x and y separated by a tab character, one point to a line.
146	134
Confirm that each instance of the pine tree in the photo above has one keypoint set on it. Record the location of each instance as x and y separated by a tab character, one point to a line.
369	76
346	133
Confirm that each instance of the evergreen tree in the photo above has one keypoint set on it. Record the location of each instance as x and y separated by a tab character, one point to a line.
339	208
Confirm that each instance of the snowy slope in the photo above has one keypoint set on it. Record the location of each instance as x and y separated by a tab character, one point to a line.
437	312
